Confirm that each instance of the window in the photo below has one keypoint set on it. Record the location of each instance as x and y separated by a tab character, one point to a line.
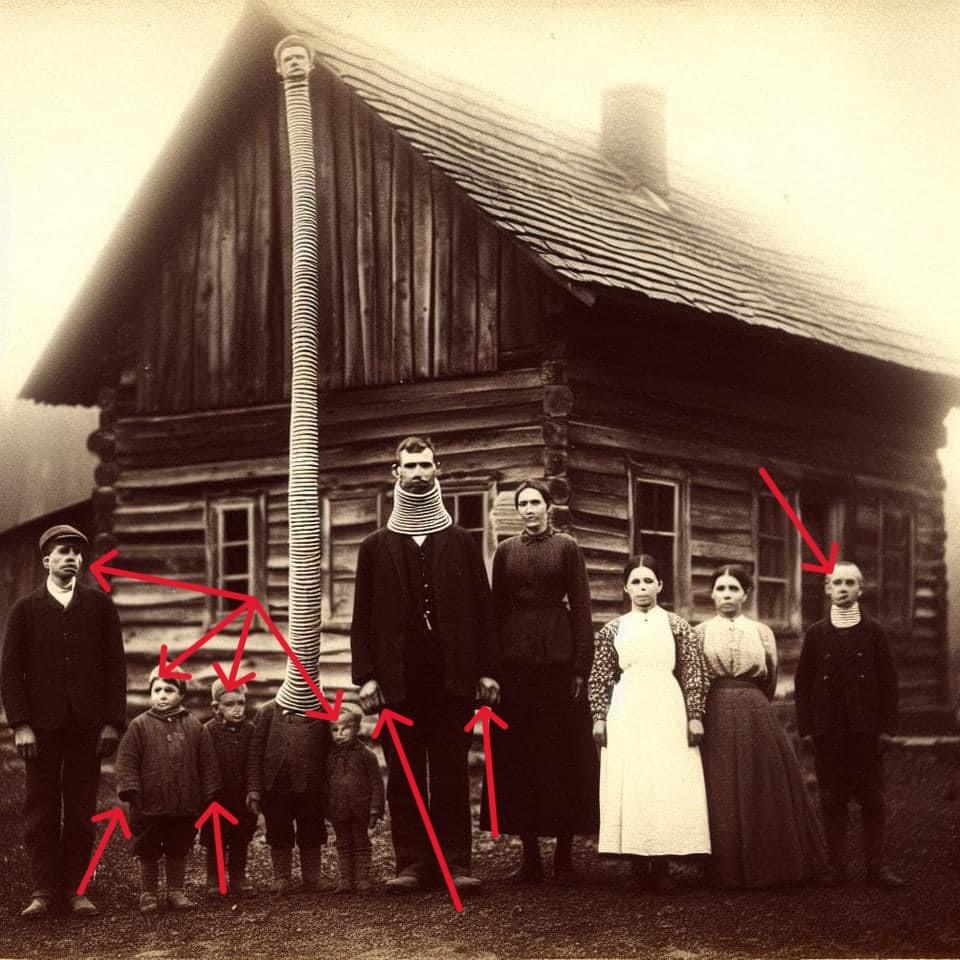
655	519
884	552
775	561
348	518
234	541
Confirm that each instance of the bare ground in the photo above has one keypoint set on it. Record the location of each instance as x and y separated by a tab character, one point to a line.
598	919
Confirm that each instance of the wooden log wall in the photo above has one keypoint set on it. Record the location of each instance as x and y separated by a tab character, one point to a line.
489	435
710	441
415	283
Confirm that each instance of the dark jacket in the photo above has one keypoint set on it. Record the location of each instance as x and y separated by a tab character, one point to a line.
231	745
167	763
383	606
354	783
845	681
287	748
59	661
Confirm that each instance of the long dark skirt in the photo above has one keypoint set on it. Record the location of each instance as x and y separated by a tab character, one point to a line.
546	767
763	828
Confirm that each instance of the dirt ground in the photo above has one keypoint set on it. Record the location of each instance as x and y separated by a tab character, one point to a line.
597	919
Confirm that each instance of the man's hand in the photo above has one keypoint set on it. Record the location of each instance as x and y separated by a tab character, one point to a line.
488	691
371	697
25	741
253	802
694	732
600	732
107	743
576	686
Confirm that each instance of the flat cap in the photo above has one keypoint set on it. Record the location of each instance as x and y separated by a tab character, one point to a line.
62	531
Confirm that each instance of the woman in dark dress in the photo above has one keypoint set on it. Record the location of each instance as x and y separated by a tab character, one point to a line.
546	770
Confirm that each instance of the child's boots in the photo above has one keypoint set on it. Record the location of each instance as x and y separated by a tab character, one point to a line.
176	877
149	883
346	863
237	870
878	873
213	875
361	870
311	868
835	827
282	861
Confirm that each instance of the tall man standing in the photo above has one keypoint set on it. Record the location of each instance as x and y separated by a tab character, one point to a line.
423	644
63	683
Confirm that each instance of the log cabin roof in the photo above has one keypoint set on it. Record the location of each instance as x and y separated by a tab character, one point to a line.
546	186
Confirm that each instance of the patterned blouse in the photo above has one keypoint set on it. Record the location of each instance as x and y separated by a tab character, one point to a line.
689	670
741	648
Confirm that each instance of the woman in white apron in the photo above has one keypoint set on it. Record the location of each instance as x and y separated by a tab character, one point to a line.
647	692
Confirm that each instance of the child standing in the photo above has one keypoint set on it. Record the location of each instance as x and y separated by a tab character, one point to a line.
846	699
167	771
355	800
230	733
286	776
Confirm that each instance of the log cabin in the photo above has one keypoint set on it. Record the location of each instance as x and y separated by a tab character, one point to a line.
540	302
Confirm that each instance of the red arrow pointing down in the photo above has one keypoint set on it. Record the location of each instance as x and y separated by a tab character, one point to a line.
169	670
113	816
484	715
214	812
390	718
826	564
232	681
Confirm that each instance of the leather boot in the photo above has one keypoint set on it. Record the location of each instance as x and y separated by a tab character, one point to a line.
311	868
361	869
149	884
282	860
878	873
531	870
346	862
176	877
835	823
237	869
213	875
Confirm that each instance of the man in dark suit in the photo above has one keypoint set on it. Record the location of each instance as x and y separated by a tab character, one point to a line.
423	644
63	684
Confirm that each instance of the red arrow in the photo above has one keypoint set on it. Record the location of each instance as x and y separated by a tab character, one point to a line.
390	718
215	811
825	565
115	815
233	682
326	711
169	670
485	715
99	568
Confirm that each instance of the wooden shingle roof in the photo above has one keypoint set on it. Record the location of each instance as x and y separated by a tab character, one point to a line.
552	190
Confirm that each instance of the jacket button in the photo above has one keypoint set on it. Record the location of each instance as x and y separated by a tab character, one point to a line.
826	676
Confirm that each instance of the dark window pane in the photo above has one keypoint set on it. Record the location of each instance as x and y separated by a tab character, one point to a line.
235	524
235	560
470	510
655	506
773	520
895	530
772	602
661	548
773	558
234	585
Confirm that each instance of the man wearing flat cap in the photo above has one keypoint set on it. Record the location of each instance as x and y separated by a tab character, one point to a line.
63	683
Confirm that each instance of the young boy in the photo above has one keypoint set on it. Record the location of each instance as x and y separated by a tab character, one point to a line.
354	800
230	733
286	777
167	771
63	682
846	699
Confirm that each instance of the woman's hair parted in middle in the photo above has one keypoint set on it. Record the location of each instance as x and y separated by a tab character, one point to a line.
533	484
642	560
730	570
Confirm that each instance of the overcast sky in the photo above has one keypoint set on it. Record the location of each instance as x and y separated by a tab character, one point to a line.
838	122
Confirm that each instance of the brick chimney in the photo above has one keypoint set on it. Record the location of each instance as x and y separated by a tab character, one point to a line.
633	135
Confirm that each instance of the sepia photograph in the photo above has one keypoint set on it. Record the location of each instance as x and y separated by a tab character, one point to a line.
479	480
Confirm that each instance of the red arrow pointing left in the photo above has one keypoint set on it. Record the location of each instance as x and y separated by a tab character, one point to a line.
484	715
113	816
390	718
214	812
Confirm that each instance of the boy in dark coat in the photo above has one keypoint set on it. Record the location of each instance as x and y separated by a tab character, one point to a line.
63	682
286	778
846	699
230	734
167	772
355	800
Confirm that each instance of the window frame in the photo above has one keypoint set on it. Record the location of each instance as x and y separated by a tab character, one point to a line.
216	506
791	621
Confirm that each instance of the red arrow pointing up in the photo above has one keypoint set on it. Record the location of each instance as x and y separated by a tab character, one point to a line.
214	812
169	670
826	564
390	718
113	817
232	681
484	715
